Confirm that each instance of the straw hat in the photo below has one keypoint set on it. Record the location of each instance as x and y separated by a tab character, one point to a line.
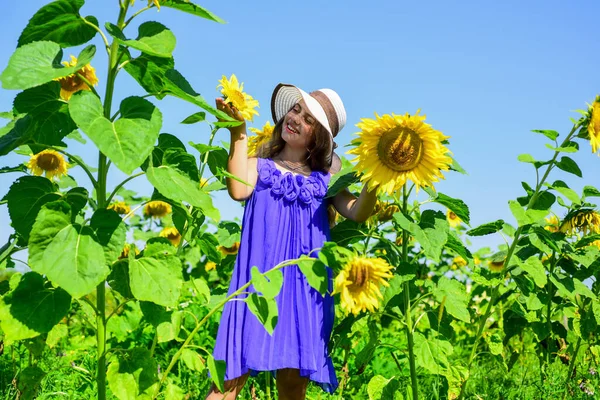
324	104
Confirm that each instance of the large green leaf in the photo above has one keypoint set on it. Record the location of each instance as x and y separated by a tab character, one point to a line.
153	38
50	120
569	165
150	72
128	140
192	360
570	287
177	185
167	323
110	231
486	229
380	388
29	382
534	267
191	8
59	22
32	308
265	310
157	280
68	254
453	295
315	272
432	354
268	284
457	206
217	372
341	181
118	279
133	374
25	198
526	217
39	62
20	132
431	233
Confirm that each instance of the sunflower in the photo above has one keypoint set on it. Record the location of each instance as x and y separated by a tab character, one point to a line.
73	83
387	212
262	137
453	219
496	266
458	262
229	250
172	234
126	250
584	221
552	223
48	162
393	148
594	125
358	284
210	266
120	208
233	92
157	209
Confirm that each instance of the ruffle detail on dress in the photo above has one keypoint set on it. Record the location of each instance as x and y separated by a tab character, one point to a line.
292	187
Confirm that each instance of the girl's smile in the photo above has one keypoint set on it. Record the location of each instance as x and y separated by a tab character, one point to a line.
298	125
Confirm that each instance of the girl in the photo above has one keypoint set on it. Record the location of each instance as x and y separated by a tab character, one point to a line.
285	216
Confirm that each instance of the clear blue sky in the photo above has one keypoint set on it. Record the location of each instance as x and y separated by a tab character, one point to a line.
484	73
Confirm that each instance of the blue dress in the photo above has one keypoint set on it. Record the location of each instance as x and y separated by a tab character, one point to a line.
285	217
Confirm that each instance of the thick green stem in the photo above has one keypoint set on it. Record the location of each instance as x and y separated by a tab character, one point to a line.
268	384
407	310
572	366
511	250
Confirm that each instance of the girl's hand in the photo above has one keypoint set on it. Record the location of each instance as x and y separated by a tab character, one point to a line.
230	110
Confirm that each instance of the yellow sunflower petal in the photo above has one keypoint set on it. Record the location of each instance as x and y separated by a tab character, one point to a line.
48	162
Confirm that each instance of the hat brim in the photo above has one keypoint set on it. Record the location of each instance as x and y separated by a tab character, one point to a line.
286	96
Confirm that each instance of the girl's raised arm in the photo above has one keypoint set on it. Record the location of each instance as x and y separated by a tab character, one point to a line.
238	163
355	208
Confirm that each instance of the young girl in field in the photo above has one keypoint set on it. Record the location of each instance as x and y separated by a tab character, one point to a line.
285	216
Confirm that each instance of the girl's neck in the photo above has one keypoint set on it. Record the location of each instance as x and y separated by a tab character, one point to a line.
293	155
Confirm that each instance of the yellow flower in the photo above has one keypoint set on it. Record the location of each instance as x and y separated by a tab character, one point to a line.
358	284
496	266
210	266
387	213
595	243
453	219
48	162
476	260
584	221
156	3
172	234
262	137
120	208
393	148
552	223
229	250
233	93
73	83
157	209
458	262
594	125
126	250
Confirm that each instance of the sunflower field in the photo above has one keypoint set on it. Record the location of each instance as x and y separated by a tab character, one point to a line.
110	293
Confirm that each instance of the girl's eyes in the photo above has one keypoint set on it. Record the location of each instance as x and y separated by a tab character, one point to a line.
309	121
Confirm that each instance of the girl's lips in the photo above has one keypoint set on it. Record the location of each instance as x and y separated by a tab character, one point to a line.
290	129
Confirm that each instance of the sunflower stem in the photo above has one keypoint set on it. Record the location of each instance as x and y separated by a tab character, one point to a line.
407	310
97	28
120	185
136	14
511	250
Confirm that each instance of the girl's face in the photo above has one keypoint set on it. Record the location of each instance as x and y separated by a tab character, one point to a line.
298	126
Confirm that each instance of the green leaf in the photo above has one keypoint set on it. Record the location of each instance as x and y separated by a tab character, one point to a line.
192	360
32	308
167	323
128	140
348	231
486	229
431	233
153	38
268	284
191	8
77	199
457	206
265	309
118	279
563	189
68	254
20	132
341	181
217	372
526	158
25	198
454	296
158	280
176	185
431	354
569	287
395	287
315	272
568	165
133	374
110	231
570	147
59	22
150	72
29	382
49	114
174	392
456	246
380	388
494	342
526	217
39	62
590	191
534	267
552	135
194	118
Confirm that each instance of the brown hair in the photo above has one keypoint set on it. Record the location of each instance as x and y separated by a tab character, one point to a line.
320	154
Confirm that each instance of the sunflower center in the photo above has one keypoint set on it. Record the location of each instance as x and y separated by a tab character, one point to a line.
48	162
236	98
400	149
359	275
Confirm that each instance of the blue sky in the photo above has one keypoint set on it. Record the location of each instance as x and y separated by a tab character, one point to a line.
484	73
